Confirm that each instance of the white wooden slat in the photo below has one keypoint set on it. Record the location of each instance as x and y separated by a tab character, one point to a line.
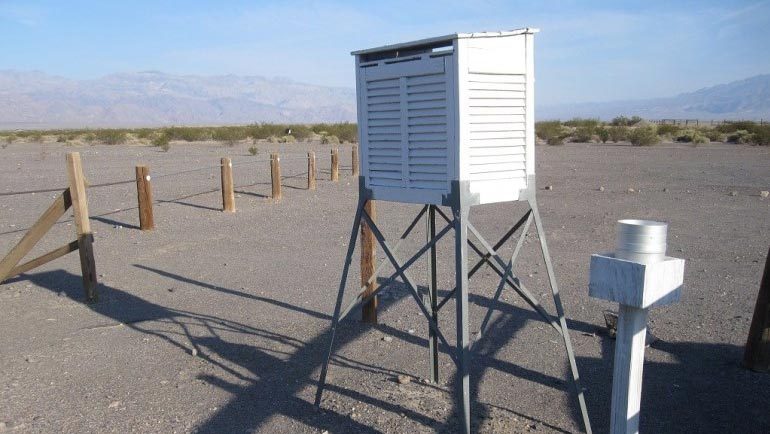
505	147
390	90
382	106
497	143
381	84
497	111
501	102
392	122
495	119
427	66
428	112
495	94
384	114
476	160
430	128
497	167
427	87
513	174
436	104
427	120
426	79
497	126
374	99
496	78
373	129
427	136
485	135
438	153
478	86
384	182
386	174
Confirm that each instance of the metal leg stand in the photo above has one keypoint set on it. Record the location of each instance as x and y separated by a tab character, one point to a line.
432	293
461	295
560	313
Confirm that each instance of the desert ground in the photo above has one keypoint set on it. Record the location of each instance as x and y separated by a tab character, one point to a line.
218	322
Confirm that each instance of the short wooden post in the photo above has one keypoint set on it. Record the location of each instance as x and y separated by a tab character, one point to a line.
275	175
228	195
368	258
311	173
144	197
354	160
757	353
82	225
335	170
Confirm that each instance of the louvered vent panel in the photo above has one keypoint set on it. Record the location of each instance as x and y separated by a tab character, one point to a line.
426	127
383	100
497	126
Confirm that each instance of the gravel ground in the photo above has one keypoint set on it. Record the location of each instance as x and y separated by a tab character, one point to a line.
218	322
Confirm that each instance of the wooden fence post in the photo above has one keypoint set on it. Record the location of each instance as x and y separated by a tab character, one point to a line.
275	175
144	197
85	238
757	353
354	160
311	173
335	170
368	258
228	195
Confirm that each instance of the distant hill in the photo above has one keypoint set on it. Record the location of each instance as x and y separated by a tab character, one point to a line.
744	99
39	100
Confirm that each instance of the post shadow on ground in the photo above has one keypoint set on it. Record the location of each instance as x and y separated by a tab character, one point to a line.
703	390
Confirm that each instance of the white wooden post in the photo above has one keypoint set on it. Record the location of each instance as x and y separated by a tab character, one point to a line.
638	275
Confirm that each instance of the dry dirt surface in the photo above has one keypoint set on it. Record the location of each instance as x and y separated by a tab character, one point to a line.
218	322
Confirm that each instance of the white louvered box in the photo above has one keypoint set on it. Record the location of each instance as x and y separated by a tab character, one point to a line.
453	108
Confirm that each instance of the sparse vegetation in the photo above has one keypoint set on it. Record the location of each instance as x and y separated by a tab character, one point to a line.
622	121
551	131
330	140
111	137
646	135
604	133
253	150
162	141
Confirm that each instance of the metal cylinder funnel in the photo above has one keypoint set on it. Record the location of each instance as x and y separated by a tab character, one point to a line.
642	241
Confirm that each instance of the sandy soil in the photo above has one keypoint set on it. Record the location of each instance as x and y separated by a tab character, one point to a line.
217	322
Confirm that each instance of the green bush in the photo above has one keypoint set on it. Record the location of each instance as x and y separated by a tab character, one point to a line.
301	132
692	136
230	135
253	150
583	134
89	138
618	133
622	121
581	122
668	130
162	141
188	134
746	132
645	135
551	131
330	140
603	133
273	139
713	134
111	137
741	136
345	131
555	141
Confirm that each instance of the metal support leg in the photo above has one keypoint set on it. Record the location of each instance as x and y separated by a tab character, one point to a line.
463	341
432	293
560	313
338	305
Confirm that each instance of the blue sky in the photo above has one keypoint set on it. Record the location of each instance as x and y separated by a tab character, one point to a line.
586	51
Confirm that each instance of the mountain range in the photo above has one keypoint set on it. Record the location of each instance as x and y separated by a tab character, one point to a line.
32	99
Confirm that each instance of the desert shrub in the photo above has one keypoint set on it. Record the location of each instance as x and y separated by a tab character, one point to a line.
287	139
583	122
646	135
9	139
230	135
253	150
272	139
551	131
583	134
265	131
301	132
746	132
330	140
143	133
668	130
618	133
89	138
111	137
162	141
61	139
603	133
344	131
187	134
692	136
740	136
36	137
713	134
622	121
